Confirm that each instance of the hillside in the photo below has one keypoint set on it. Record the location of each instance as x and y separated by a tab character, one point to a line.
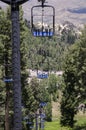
73	11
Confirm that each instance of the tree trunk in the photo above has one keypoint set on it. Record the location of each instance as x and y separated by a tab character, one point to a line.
7	89
7	110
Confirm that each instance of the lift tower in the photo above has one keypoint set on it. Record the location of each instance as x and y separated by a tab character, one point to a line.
17	120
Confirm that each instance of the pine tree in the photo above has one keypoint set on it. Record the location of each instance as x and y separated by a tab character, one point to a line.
74	79
5	47
5	36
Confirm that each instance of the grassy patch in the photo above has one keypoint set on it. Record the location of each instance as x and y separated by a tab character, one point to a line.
55	125
79	125
81	122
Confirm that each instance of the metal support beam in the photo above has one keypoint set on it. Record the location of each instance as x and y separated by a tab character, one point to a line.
19	2
16	66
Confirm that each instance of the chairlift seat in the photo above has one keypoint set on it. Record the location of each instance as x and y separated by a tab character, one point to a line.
42	75
45	15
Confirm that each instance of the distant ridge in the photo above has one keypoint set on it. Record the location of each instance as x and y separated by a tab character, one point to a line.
78	10
73	11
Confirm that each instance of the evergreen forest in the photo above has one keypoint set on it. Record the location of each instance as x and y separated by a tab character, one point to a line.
66	53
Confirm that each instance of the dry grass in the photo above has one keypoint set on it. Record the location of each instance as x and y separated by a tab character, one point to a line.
56	110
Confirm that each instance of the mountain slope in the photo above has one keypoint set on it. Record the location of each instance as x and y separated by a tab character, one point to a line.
73	11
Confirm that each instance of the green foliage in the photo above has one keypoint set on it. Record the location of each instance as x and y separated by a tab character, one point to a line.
68	36
74	79
48	112
80	125
5	53
52	84
45	96
36	53
46	54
